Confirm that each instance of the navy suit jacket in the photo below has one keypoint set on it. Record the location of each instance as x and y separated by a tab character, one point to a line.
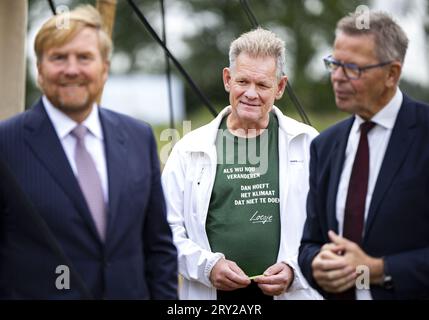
138	259
397	226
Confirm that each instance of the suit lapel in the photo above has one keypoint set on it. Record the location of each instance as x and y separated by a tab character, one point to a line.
400	142
116	155
42	139
337	163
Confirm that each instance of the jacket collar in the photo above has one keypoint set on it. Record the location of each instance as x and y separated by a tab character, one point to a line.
401	140
42	139
204	138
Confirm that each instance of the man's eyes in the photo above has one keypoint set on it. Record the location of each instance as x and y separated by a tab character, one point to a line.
58	57
62	57
261	85
351	66
85	57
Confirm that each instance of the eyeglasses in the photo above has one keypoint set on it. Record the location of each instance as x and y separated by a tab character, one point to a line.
351	70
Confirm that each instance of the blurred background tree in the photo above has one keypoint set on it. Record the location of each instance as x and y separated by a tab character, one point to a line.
208	27
306	26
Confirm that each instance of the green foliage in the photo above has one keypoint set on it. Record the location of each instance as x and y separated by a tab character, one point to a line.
307	27
304	31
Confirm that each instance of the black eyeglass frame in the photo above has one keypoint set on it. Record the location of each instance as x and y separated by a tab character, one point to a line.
329	60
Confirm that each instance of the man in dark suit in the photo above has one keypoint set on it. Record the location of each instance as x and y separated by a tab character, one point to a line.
367	229
90	174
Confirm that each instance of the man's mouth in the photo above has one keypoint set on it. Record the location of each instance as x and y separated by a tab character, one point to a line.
71	85
341	94
248	104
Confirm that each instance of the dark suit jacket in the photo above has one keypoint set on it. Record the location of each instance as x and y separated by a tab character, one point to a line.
138	259
397	226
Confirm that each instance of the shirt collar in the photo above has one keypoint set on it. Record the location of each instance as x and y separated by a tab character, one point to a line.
63	124
386	117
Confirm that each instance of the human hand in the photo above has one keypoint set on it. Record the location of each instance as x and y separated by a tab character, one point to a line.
276	279
331	270
356	257
226	275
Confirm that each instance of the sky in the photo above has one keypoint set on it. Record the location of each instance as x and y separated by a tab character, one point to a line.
411	16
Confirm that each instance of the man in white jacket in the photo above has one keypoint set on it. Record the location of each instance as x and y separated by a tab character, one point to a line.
236	187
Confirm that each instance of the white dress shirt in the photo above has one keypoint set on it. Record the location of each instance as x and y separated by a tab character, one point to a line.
94	140
378	139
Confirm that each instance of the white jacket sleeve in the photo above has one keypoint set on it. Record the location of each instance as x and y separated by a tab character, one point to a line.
299	281
195	261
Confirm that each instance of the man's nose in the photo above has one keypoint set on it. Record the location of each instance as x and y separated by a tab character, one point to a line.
251	92
338	74
72	66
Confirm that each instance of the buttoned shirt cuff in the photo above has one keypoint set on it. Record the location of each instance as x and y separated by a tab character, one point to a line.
210	264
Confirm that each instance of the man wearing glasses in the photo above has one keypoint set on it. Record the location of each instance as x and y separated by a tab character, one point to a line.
367	229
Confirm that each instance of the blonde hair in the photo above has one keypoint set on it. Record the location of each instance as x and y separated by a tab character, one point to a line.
52	35
259	43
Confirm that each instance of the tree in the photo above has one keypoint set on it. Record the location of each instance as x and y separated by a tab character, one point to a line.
307	27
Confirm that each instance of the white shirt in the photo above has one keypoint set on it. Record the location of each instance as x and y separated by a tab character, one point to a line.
378	139
94	140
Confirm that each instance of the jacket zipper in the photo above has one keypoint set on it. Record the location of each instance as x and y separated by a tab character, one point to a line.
200	176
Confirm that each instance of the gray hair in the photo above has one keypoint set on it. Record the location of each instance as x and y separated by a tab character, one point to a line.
390	39
259	43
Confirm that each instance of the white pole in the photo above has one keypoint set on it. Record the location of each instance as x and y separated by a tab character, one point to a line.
13	31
